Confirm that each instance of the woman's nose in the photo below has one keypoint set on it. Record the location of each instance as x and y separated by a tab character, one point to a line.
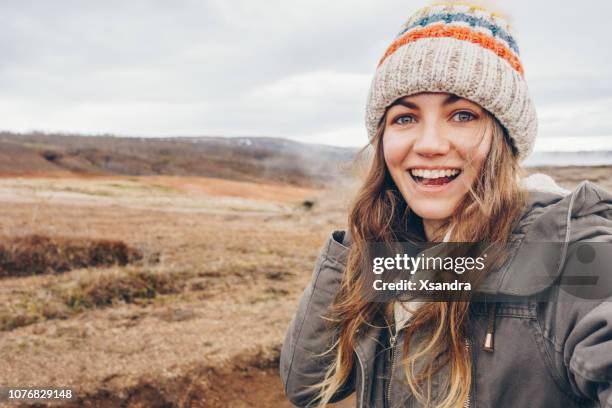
431	141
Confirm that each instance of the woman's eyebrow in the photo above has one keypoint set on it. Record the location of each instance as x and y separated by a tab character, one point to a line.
405	103
450	99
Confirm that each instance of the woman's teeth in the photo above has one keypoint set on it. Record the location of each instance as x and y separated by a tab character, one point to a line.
437	177
434	174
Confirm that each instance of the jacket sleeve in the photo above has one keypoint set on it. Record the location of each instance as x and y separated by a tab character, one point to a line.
308	335
586	313
588	354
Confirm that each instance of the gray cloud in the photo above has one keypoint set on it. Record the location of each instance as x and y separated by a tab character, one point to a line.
298	69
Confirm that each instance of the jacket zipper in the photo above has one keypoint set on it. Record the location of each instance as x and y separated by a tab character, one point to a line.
392	341
468	400
360	401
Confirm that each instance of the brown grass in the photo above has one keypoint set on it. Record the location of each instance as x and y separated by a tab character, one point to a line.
127	287
38	254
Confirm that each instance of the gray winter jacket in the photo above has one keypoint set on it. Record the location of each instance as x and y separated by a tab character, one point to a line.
547	353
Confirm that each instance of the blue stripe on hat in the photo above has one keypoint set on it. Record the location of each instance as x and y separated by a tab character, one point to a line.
496	30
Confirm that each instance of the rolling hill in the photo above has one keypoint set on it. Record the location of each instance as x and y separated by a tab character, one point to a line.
244	158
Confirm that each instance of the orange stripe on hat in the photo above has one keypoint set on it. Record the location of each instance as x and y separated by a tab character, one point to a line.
460	33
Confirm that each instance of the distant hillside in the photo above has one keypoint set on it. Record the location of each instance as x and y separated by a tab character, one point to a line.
247	159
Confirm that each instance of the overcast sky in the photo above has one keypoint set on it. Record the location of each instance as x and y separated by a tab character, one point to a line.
294	69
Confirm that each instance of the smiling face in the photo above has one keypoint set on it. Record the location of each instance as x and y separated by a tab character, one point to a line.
434	146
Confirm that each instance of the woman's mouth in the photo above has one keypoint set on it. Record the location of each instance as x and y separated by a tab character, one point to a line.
434	177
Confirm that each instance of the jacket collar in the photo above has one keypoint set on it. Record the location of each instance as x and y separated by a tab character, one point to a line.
541	239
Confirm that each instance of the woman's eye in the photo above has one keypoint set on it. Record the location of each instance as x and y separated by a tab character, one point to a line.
404	119
464	116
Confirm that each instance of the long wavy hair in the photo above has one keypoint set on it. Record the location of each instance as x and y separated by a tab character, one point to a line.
379	213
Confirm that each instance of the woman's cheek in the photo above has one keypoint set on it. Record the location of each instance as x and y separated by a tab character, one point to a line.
473	146
395	149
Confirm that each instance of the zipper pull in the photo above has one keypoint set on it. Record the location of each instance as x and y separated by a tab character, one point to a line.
488	343
392	341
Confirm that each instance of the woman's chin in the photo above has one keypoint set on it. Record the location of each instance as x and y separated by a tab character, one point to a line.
432	209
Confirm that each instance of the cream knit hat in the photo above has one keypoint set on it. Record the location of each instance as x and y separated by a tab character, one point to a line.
461	49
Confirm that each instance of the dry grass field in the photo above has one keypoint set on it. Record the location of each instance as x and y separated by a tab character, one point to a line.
197	320
195	316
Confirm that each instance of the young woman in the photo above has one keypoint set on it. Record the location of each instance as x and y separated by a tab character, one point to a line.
450	119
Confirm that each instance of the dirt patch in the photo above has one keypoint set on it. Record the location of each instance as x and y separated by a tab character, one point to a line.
39	254
276	192
249	380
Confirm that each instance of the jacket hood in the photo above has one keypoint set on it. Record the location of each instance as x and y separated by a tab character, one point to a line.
554	219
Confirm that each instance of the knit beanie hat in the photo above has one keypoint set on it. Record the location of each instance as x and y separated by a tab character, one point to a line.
461	49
